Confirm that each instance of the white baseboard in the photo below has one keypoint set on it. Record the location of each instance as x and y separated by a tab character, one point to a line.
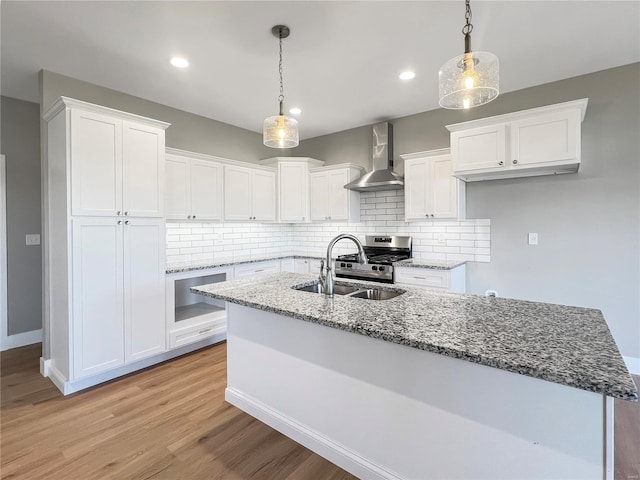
320	444
45	367
633	364
21	339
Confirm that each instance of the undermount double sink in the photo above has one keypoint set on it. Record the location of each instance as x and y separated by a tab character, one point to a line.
368	293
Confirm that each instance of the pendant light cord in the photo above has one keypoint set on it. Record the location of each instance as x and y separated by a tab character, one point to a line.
468	27
281	96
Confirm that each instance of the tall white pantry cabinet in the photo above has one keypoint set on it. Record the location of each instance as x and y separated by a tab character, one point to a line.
105	241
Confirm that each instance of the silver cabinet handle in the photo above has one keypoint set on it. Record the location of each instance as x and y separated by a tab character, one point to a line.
500	163
119	222
189	217
126	213
126	222
193	217
258	271
202	332
515	161
419	278
118	213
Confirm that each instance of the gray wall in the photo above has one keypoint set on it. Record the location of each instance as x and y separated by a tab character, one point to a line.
21	144
187	132
588	223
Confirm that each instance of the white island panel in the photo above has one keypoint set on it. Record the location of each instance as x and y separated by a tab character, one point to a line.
383	410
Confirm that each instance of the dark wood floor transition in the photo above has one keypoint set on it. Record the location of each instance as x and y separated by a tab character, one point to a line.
170	422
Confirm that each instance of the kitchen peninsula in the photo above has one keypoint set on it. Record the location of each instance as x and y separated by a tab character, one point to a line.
427	384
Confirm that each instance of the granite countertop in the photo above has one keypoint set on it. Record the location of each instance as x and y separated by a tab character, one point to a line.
180	267
432	264
567	345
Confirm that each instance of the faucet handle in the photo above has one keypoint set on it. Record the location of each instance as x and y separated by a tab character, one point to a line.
321	266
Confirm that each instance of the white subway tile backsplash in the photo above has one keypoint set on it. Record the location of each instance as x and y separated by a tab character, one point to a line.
381	213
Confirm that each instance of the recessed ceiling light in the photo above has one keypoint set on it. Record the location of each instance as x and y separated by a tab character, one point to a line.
295	111
179	62
407	75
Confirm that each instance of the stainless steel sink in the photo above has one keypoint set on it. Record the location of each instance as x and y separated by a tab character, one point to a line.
377	294
352	291
338	289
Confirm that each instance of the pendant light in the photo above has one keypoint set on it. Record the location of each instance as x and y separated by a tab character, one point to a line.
280	131
471	79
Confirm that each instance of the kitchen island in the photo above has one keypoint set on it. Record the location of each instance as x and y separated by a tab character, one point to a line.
426	384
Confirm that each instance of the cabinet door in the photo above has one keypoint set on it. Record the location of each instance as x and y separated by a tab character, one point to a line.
97	291
301	265
96	164
443	187
263	196
293	188
143	170
479	148
338	195
237	193
177	188
319	191
206	190
144	288
545	138
416	188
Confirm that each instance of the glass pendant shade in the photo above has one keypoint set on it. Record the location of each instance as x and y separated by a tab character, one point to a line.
280	131
469	80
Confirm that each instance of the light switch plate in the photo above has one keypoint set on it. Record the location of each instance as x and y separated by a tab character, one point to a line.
533	239
32	239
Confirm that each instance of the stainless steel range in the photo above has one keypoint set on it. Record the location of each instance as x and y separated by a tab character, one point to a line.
381	251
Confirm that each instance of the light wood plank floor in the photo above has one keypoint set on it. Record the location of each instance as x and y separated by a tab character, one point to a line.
171	422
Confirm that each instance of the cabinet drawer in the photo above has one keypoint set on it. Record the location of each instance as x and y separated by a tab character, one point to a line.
253	270
423	277
194	333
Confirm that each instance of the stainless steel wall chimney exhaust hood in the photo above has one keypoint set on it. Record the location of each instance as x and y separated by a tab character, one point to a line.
382	177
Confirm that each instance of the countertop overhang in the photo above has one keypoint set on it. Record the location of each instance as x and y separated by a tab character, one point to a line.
562	344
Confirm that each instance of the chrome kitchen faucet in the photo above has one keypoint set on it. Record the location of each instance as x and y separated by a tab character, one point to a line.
327	280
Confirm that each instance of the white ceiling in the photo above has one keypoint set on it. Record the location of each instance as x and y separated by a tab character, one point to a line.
341	62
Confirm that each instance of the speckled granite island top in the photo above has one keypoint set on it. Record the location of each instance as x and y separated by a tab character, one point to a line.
561	344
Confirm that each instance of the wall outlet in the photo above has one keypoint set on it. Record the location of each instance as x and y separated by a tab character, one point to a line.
441	240
32	239
533	239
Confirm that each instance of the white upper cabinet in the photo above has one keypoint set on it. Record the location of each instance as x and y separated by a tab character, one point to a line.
293	187
143	171
540	141
330	201
431	191
117	163
249	194
480	148
194	188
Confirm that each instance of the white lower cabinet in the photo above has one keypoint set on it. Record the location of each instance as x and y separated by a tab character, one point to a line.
287	265
452	280
256	269
117	293
190	317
